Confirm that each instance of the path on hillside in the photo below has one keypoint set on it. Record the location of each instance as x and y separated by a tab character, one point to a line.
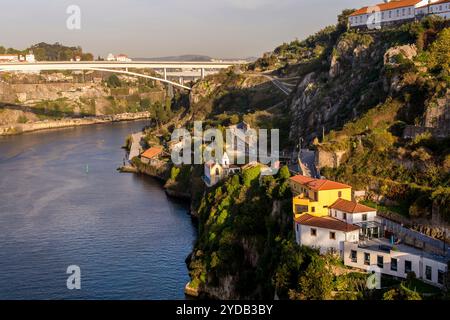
307	163
136	146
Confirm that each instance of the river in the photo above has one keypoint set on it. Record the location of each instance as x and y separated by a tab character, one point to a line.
63	203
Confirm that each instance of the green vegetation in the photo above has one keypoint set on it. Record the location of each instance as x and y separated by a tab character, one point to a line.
245	233
113	81
51	52
411	172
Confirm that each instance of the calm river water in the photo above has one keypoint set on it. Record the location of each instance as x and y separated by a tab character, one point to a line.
63	203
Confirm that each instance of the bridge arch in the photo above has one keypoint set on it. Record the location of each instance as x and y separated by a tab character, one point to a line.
128	73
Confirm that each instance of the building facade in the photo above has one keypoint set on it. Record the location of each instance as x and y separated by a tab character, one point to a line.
396	260
314	196
353	231
397	12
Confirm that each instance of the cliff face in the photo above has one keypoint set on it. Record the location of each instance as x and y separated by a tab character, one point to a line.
356	95
27	98
363	70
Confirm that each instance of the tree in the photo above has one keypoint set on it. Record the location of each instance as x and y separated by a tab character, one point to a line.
250	175
440	51
284	173
113	81
401	293
87	57
317	281
234	119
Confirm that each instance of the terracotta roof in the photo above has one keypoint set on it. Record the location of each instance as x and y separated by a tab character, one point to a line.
394	4
302	179
439	2
325	223
350	206
152	152
319	184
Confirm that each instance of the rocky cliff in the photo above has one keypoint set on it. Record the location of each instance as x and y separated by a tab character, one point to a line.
28	98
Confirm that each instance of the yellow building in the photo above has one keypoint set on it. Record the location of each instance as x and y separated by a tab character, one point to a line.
314	196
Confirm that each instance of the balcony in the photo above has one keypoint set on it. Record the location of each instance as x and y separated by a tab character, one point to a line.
302	204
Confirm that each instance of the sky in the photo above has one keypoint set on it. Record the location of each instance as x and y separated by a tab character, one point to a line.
158	28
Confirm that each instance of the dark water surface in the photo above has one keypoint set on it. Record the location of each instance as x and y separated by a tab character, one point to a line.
128	238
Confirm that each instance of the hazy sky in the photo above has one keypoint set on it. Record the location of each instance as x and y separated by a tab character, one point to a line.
151	28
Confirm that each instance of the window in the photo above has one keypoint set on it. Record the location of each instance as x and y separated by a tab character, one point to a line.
403	11
380	261
428	272
313	209
313	232
339	194
353	256
367	259
390	14
440	277
393	264
297	227
364	217
408	266
382	15
316	197
333	235
398	13
344	216
300	209
409	11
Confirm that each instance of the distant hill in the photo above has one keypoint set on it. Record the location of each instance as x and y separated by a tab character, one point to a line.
186	57
192	57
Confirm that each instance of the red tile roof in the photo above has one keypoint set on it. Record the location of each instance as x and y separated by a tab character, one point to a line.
439	2
394	4
325	223
152	152
350	206
319	184
302	179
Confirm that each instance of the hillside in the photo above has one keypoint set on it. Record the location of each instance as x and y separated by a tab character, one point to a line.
374	106
27	98
51	52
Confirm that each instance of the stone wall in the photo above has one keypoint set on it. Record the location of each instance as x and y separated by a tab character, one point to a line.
54	124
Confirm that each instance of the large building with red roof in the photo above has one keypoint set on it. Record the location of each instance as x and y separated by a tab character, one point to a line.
397	11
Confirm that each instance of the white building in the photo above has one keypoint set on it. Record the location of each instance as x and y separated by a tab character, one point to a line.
440	8
215	171
118	58
30	58
8	58
396	260
393	12
111	57
354	231
241	140
324	233
123	58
